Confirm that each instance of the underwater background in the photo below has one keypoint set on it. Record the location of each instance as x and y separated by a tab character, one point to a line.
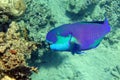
40	16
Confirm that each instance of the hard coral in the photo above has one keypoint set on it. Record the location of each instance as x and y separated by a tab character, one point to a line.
10	61
7	78
12	7
14	49
4	18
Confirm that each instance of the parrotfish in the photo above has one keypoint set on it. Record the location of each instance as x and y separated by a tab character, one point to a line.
77	37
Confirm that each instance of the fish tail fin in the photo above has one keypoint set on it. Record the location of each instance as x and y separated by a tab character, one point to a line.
106	23
106	20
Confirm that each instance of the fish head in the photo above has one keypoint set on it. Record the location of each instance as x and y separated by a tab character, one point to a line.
66	43
61	44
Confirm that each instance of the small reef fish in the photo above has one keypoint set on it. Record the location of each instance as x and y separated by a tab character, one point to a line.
78	36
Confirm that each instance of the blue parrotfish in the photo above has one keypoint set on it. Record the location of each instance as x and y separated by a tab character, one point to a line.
77	37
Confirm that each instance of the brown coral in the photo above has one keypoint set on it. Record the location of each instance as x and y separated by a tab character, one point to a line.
19	73
13	41
14	49
10	61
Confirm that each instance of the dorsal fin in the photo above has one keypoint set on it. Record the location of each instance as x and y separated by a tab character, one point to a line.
98	22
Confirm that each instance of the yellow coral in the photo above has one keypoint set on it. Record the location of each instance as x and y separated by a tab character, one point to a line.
14	42
7	78
12	7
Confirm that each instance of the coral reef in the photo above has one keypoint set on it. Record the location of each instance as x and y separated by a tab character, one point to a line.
14	50
78	8
7	78
38	14
12	7
4	18
113	40
112	11
12	37
19	73
9	61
